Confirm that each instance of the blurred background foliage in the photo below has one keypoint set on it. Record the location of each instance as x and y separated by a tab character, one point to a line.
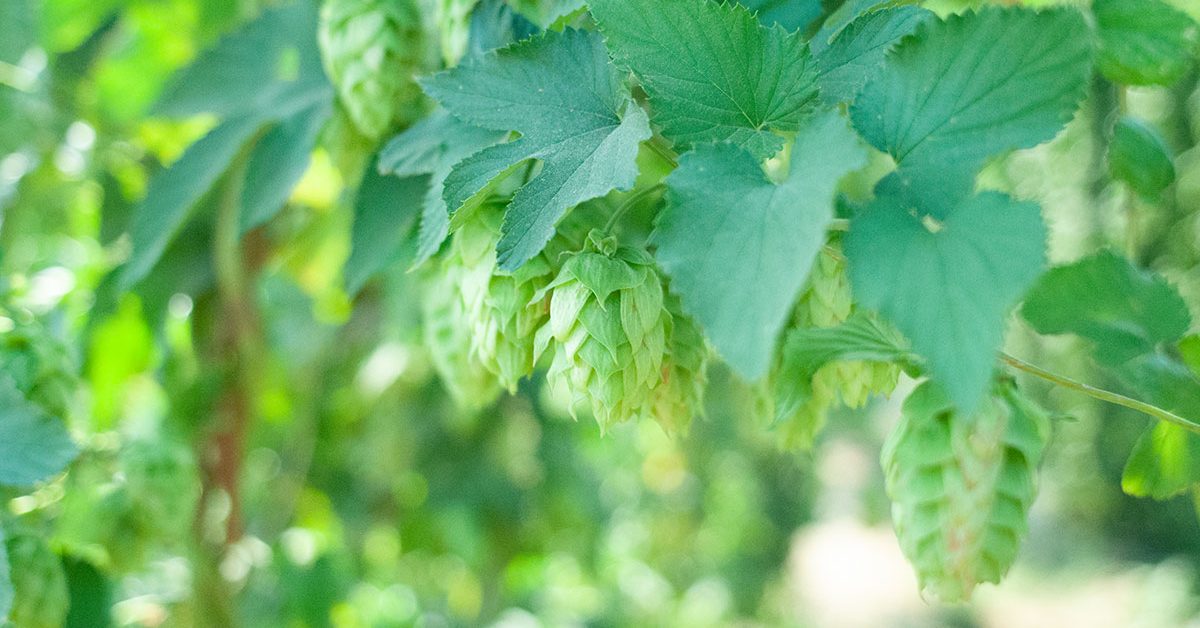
285	456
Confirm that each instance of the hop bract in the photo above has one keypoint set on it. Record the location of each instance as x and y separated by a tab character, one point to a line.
447	330
680	395
371	49
609	329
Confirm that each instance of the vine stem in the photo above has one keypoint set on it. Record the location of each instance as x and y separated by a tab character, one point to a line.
1101	394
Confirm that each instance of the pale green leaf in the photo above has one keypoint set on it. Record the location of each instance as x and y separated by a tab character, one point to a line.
712	71
33	445
1144	42
738	247
562	95
970	87
948	286
1104	298
1164	463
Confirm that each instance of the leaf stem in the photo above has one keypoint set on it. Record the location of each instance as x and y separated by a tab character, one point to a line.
633	199
1101	394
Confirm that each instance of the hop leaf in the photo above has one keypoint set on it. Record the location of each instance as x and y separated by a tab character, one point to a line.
372	49
680	395
610	331
961	485
40	597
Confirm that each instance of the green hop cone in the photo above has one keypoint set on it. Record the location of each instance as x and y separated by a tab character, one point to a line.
680	395
371	50
454	28
798	429
961	486
448	337
609	329
163	485
40	367
502	307
827	302
40	595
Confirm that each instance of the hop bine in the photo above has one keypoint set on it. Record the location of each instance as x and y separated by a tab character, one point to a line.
961	486
609	329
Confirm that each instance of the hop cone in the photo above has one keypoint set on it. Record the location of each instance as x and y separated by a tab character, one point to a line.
827	302
40	367
502	307
610	331
799	429
40	596
371	50
454	28
448	330
961	486
680	395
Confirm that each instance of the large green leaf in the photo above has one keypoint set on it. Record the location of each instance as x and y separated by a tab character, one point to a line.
33	445
856	54
278	162
1124	310
948	286
1144	42
738	247
565	98
433	146
385	216
1139	156
712	71
974	85
271	65
174	192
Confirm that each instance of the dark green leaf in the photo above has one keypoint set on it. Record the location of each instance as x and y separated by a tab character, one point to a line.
790	14
1125	311
1144	42
385	217
33	445
176	190
948	286
739	247
1139	156
278	162
433	146
712	71
964	89
494	25
564	97
857	53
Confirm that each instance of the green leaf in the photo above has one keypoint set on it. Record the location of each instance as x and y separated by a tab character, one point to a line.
713	72
33	445
494	24
739	247
857	53
948	286
278	162
1139	156
1190	349
964	89
566	100
385	216
18	32
790	14
1164	463
173	192
1144	42
806	349
433	146
270	66
1124	310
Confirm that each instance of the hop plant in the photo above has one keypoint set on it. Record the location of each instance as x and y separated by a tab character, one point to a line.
503	308
827	302
448	331
961	485
40	595
40	367
680	395
371	50
609	329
